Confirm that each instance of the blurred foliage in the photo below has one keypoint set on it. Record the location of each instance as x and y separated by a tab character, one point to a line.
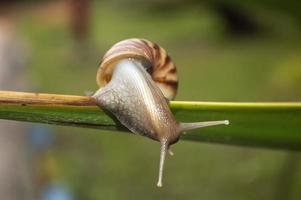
212	66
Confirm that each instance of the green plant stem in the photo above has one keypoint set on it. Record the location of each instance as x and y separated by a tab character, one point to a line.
252	124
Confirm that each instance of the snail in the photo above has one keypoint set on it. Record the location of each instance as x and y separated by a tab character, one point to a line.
137	79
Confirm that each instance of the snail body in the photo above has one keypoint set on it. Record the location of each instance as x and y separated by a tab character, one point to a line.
137	78
137	102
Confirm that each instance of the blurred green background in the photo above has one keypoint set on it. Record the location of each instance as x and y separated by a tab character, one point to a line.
218	59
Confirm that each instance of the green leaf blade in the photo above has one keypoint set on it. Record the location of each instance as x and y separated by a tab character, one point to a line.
253	124
276	125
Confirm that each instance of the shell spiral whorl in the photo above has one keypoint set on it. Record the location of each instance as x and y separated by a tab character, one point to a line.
161	68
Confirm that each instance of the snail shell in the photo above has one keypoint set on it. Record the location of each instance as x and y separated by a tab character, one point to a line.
135	78
156	62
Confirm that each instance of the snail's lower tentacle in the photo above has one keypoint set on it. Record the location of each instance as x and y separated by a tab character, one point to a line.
170	152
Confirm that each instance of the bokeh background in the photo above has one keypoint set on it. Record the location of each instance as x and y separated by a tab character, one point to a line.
224	51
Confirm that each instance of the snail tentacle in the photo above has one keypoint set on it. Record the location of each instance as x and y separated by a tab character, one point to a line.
164	148
194	125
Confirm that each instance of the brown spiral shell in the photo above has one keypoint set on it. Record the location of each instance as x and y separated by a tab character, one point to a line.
161	68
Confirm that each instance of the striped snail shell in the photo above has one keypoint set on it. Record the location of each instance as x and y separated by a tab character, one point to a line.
156	62
135	78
